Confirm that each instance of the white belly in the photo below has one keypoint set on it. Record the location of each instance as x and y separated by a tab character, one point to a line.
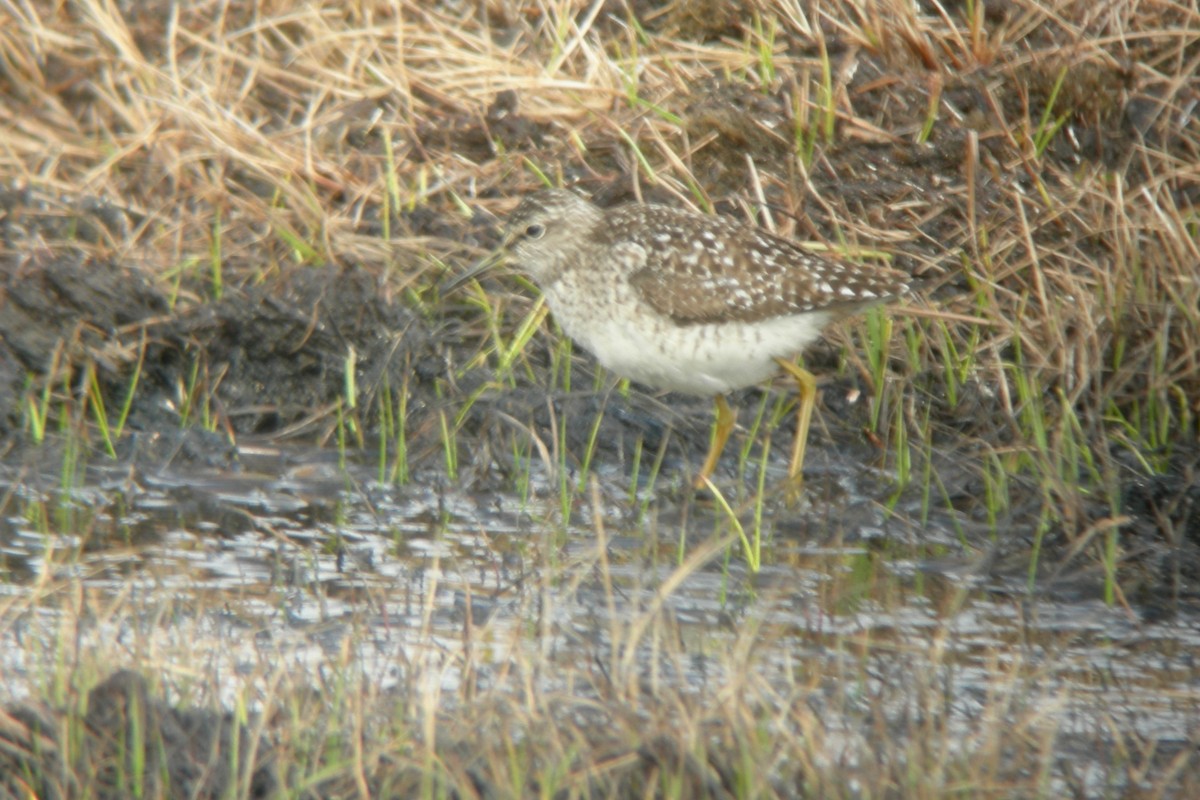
703	359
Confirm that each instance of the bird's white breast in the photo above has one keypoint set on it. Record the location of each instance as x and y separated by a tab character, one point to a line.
632	340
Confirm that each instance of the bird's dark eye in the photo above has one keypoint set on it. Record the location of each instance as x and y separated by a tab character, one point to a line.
535	231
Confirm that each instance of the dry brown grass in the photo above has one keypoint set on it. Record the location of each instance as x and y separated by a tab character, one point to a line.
272	119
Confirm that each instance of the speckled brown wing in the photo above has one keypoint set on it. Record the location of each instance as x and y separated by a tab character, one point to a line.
703	269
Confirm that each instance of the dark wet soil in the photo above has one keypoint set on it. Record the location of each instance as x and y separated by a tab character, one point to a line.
273	358
131	743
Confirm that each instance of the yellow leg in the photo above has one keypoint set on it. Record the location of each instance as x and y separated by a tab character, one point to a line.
807	386
726	416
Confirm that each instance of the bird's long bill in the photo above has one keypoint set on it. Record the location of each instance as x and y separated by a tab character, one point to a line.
483	265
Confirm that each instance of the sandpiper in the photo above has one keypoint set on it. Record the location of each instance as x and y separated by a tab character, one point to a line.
684	301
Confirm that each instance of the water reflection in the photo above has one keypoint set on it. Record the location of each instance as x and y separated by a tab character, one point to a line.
298	564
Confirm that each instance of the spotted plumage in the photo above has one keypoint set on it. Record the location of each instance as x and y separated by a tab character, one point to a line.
685	301
711	269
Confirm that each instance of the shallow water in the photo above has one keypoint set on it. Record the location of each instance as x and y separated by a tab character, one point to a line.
300	564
